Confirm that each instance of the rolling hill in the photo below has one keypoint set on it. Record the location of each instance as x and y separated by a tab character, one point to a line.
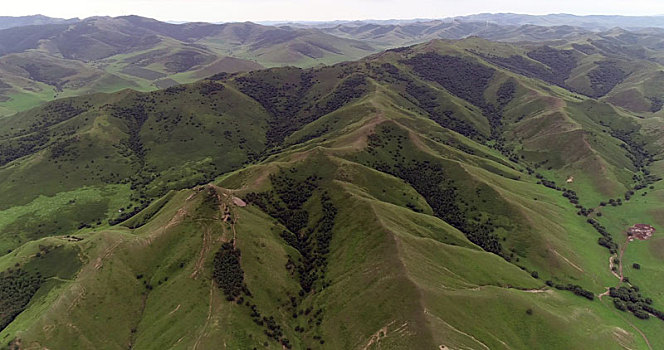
59	59
450	194
9	21
103	54
592	22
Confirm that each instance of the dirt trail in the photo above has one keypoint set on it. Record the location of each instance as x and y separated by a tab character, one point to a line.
376	336
619	274
174	310
227	208
541	290
621	277
228	213
209	316
205	248
619	256
567	260
100	260
635	328
457	330
176	219
611	265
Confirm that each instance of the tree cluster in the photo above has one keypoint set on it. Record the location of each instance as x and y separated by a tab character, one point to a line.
629	299
17	287
227	272
312	242
575	288
606	240
428	101
461	77
605	77
561	62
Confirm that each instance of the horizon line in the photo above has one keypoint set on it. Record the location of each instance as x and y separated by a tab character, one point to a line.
285	21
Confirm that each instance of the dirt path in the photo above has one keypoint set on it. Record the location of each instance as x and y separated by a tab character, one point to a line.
567	260
227	208
228	213
635	328
457	330
209	316
174	310
622	252
621	277
377	336
176	219
603	294
541	290
611	265
619	256
100	260
205	248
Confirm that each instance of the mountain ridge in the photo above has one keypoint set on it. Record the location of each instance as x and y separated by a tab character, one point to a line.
105	54
420	195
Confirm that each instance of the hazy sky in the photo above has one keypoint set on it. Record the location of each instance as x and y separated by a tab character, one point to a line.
263	10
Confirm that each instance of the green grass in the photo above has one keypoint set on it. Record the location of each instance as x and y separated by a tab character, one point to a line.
396	274
60	214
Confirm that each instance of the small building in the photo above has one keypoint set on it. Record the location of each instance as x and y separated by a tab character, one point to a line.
641	231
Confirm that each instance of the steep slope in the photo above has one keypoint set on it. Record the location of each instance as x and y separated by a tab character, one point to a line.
422	197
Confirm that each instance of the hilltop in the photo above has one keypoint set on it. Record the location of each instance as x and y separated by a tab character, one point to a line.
9	22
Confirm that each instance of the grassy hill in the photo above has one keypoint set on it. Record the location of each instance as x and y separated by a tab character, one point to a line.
47	61
435	196
103	54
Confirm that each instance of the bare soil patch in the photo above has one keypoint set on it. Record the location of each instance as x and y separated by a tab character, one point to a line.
641	232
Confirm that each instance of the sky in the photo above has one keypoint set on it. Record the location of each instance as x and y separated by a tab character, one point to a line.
317	10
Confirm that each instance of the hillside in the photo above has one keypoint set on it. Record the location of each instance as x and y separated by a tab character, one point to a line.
44	62
9	22
389	35
596	23
435	196
103	54
591	22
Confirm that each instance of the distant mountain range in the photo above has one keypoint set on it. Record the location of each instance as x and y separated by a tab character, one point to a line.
598	23
9	22
51	58
592	22
104	54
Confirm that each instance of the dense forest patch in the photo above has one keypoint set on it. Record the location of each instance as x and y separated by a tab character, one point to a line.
16	289
228	273
605	77
461	77
561	62
431	180
312	240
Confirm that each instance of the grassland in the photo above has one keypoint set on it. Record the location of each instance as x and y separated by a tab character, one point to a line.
365	205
